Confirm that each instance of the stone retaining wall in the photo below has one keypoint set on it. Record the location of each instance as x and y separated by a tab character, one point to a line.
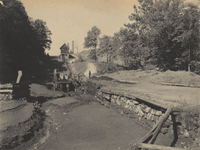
141	109
145	112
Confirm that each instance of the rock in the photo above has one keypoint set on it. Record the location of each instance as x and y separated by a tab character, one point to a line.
118	102
142	106
128	102
170	118
158	113
156	118
135	102
192	133
164	130
149	116
141	113
186	134
145	115
115	96
171	131
133	107
130	107
153	111
107	96
148	109
124	99
140	118
98	100
118	97
152	117
137	109
112	100
99	93
126	106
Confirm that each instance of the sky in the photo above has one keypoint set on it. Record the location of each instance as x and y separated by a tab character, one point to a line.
70	20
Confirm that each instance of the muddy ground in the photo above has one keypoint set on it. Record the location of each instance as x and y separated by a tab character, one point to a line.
79	122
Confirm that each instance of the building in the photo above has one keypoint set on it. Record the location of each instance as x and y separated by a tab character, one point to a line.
66	55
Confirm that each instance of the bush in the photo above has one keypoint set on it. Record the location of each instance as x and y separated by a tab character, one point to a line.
195	67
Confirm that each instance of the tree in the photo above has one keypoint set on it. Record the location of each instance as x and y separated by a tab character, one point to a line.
165	32
105	46
22	40
137	32
91	41
189	37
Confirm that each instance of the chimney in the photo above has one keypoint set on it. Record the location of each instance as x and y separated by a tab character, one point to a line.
73	47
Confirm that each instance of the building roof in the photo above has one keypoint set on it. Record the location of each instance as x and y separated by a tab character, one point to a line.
64	48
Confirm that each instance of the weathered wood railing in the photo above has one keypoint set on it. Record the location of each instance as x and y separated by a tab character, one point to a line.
148	140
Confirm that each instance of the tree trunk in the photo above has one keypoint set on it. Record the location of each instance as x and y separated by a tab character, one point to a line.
189	60
107	57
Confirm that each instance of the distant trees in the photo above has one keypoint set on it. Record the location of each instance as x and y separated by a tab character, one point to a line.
165	31
23	41
91	41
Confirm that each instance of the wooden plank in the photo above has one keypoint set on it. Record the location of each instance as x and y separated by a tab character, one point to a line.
6	91
150	134
160	124
153	147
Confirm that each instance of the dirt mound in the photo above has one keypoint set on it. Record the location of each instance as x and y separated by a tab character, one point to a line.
132	75
101	78
177	78
108	68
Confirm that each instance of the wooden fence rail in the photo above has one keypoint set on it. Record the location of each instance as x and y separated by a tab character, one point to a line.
148	140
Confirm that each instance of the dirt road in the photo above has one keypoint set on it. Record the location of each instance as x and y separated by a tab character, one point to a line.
80	126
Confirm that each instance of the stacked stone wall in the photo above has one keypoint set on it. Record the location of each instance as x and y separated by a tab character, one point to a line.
145	112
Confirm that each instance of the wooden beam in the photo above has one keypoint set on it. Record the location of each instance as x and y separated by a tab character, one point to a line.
153	147
160	124
156	128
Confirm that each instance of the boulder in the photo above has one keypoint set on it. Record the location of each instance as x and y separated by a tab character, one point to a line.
148	109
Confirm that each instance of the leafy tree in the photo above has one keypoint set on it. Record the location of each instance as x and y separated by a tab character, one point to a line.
189	29
165	32
91	41
105	46
117	41
22	42
92	54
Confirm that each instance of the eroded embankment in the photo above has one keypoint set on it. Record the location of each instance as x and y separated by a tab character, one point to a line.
18	134
184	133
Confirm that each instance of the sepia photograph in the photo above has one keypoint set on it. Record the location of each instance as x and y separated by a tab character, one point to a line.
99	74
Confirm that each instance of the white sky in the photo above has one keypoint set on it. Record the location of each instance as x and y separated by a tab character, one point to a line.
71	19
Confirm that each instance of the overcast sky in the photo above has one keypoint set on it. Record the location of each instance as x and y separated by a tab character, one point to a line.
71	19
